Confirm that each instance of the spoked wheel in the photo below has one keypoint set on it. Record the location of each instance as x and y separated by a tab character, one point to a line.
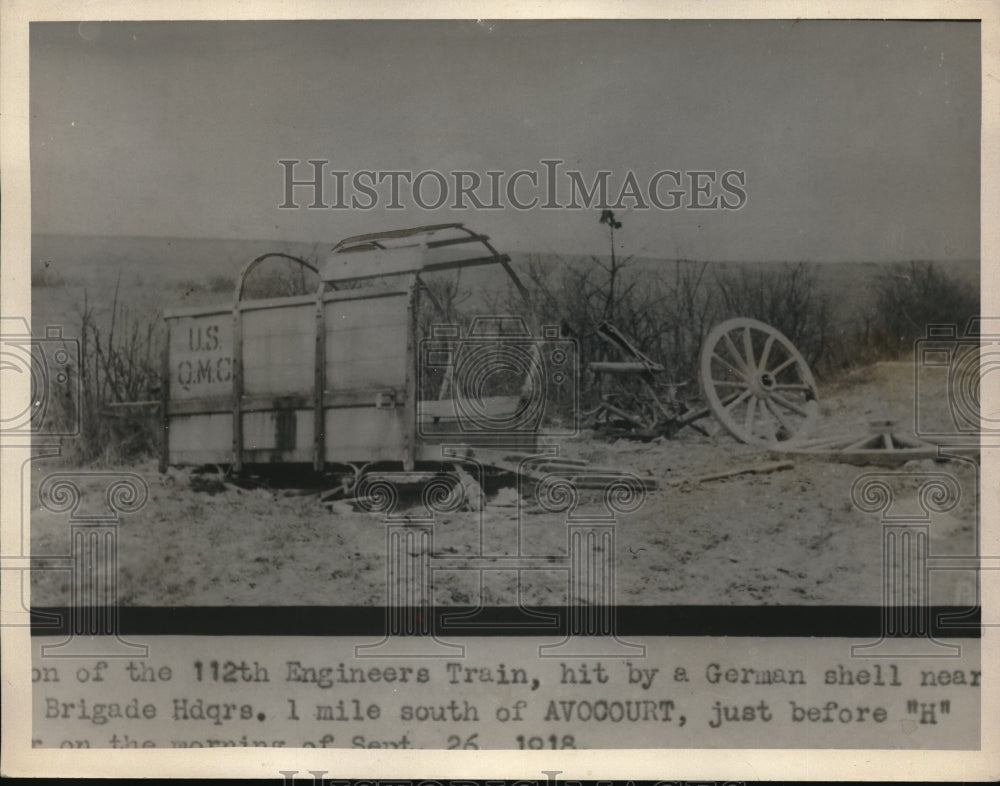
757	384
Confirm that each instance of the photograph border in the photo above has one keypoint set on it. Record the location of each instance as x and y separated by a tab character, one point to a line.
15	244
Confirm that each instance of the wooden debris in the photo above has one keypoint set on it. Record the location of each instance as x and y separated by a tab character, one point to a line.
475	499
758	468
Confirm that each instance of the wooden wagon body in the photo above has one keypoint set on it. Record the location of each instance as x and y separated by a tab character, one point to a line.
325	378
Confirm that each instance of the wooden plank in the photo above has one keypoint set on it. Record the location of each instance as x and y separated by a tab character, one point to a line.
373	264
382	398
364	434
319	385
257	305
396	234
237	397
366	343
201	439
396	262
280	315
747	469
363	315
196	311
390	303
276	379
368	373
289	321
204	406
410	380
278	349
455	241
208	434
368	293
270	304
200	456
431	445
445	410
366	349
373	341
164	402
623	367
376	345
271	456
284	431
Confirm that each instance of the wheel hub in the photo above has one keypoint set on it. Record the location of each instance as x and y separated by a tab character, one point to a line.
762	383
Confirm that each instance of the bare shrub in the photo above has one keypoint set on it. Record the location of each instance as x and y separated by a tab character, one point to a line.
679	321
188	287
120	350
911	297
279	277
440	304
788	299
908	298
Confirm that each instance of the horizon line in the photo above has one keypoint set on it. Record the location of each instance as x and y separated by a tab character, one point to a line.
641	256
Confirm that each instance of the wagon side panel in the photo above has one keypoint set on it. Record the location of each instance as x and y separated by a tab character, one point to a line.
365	377
364	370
278	350
278	377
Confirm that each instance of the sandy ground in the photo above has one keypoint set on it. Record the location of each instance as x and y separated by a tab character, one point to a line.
787	537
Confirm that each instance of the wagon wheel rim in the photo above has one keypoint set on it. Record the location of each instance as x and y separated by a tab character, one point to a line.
757	384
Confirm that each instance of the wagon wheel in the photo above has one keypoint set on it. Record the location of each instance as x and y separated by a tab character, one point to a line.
757	384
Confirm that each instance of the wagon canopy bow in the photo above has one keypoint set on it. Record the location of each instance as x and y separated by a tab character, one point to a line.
417	250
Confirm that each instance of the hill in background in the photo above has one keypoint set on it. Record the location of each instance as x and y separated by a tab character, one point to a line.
160	272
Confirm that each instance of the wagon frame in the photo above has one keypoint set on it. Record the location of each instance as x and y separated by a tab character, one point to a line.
367	300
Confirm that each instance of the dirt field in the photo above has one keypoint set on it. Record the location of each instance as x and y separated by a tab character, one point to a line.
787	537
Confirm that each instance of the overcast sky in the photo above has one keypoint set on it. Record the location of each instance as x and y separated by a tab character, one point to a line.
859	140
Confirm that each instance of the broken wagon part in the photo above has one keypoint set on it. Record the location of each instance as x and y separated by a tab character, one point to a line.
541	481
472	494
335	380
381	491
757	384
538	467
758	468
635	401
883	445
